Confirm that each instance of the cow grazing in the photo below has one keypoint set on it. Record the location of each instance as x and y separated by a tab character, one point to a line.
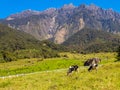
72	68
93	63
92	67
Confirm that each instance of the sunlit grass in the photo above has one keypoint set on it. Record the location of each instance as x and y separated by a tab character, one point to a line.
106	78
38	64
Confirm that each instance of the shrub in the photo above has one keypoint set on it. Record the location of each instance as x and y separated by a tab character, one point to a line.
118	55
8	56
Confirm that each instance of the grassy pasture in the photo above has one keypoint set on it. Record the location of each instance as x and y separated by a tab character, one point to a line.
38	64
106	78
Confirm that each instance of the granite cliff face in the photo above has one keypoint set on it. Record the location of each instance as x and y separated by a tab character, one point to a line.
60	24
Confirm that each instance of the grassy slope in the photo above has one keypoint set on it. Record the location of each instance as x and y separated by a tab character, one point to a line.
106	78
33	65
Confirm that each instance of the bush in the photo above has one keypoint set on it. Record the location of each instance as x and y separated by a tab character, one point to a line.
8	56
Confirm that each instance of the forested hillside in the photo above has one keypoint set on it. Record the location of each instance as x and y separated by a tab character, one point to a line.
17	44
91	40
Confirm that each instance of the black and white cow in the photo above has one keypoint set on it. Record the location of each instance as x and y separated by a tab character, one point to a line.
72	68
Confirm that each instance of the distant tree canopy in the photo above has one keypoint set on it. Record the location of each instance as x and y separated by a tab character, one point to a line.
7	56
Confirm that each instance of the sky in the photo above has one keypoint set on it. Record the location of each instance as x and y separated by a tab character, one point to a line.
8	7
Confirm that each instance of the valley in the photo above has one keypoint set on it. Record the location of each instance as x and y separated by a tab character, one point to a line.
38	47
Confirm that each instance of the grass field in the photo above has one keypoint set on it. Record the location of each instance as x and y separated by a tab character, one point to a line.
106	78
38	64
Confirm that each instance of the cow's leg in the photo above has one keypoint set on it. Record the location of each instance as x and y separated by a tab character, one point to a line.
69	71
96	68
90	68
77	70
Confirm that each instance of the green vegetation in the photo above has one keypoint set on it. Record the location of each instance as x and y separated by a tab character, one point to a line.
40	64
15	45
106	78
8	57
29	55
12	40
90	40
118	54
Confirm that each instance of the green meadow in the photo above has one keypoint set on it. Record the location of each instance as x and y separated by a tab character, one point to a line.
105	78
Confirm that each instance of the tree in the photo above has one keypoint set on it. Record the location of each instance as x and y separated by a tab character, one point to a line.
8	57
118	54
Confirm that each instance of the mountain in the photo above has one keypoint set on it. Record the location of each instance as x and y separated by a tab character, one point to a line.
60	24
91	40
23	14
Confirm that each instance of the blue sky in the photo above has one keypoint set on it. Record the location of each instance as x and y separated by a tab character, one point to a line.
8	7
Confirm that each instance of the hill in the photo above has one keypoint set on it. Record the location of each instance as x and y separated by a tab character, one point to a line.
23	45
91	40
11	39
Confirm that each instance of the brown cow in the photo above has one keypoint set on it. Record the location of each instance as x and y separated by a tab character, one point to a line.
93	63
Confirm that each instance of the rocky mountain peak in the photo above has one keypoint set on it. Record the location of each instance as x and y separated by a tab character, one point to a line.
23	14
68	6
50	11
60	24
93	7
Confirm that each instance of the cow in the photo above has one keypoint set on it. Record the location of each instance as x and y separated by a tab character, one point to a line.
72	68
92	67
93	63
